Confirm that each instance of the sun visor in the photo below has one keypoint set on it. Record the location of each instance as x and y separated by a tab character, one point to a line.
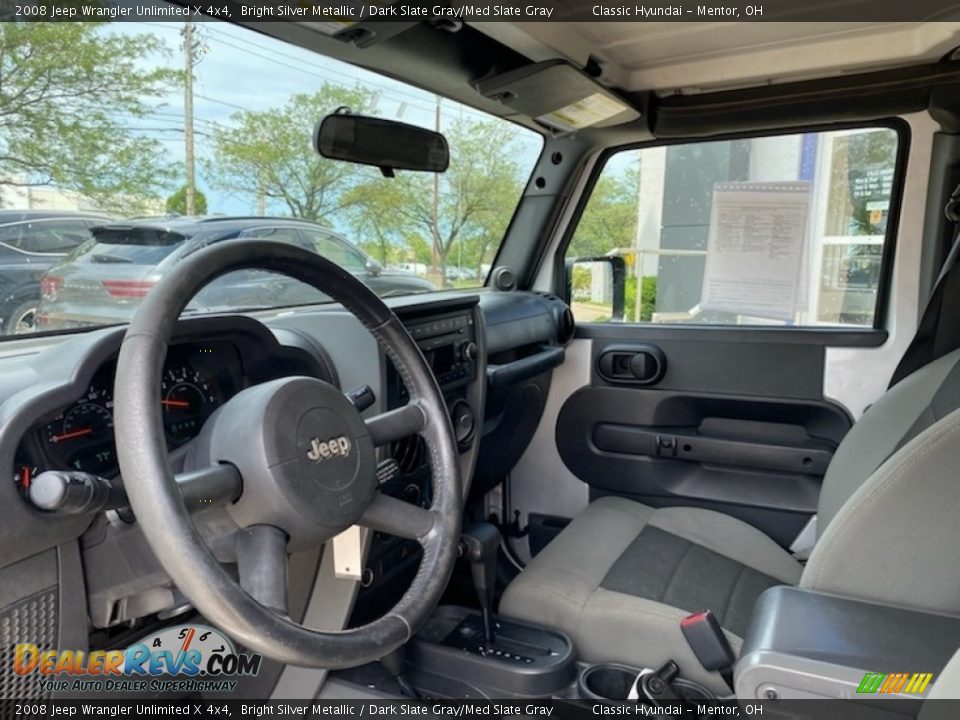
558	96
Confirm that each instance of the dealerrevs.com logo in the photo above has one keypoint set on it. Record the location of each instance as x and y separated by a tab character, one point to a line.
183	658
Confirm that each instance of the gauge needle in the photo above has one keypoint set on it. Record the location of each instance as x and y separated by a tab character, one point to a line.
72	434
175	403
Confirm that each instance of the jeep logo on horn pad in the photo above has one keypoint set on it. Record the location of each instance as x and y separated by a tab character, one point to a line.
326	449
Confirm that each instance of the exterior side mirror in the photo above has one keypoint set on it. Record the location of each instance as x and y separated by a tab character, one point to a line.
594	284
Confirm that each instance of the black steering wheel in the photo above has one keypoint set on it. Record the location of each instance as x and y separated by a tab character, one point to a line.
303	462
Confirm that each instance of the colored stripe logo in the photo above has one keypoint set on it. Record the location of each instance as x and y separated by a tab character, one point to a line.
893	683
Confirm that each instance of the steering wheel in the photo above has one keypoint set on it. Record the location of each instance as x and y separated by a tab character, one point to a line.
301	463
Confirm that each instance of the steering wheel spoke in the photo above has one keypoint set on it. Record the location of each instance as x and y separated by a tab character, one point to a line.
396	424
395	517
208	487
262	565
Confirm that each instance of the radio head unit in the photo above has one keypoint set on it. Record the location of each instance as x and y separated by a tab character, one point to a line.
449	343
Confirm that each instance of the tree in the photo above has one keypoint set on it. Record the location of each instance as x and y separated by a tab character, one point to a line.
268	155
476	198
610	219
177	203
68	93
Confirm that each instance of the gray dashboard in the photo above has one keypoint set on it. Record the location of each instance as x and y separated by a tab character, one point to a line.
39	386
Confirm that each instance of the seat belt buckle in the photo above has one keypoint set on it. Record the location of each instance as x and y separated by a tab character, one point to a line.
706	639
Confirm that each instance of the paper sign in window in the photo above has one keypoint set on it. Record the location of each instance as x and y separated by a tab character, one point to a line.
756	264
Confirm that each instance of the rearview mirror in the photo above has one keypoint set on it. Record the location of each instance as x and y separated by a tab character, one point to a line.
386	144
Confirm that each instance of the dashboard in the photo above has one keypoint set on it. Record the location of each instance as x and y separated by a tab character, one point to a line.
57	413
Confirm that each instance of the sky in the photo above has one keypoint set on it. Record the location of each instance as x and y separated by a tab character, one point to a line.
244	70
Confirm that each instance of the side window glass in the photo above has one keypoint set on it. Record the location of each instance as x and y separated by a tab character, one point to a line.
46	237
785	230
10	235
63	236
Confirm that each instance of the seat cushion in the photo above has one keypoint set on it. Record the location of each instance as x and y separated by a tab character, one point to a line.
622	575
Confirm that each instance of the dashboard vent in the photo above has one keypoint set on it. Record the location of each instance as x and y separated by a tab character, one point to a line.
566	326
409	452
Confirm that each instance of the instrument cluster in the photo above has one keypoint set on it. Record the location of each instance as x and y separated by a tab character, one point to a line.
197	379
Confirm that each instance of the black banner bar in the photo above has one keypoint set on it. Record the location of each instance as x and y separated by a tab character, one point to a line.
563	709
331	16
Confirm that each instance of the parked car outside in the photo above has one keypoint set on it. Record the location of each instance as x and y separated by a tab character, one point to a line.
31	242
454	272
104	280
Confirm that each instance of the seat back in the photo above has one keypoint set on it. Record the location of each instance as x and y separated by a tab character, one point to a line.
904	411
894	539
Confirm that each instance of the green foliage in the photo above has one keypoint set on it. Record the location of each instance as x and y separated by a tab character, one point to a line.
67	94
269	153
648	299
609	220
177	203
581	279
475	199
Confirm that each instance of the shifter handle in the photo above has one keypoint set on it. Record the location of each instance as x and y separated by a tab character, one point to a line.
478	545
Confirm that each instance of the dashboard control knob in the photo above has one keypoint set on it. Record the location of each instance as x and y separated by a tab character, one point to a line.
470	351
464	423
412	493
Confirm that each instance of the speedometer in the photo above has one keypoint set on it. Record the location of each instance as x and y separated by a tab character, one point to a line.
188	399
81	437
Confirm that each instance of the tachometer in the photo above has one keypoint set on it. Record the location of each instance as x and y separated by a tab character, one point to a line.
81	437
188	399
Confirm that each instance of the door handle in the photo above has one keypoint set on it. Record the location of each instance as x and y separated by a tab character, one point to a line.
635	364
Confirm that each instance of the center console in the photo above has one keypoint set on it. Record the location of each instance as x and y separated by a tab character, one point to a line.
803	644
522	661
448	336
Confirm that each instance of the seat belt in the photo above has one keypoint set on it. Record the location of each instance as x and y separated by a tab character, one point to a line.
939	330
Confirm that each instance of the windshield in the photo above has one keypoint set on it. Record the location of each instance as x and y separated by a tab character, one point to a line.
195	132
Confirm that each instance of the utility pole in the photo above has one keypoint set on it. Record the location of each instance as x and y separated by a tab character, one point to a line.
188	60
261	198
435	260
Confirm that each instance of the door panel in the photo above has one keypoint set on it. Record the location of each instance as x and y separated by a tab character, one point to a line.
736	426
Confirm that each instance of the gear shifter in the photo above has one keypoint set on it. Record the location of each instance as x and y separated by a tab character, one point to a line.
478	545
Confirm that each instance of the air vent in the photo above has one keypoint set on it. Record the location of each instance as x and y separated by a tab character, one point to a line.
566	326
409	453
